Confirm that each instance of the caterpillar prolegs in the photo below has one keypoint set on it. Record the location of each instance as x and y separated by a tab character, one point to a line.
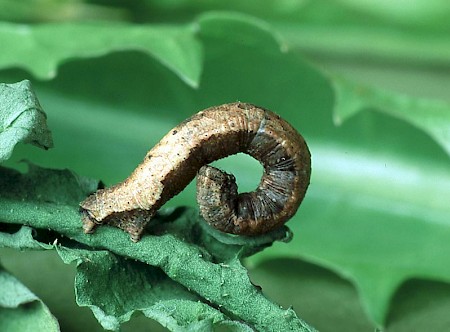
186	151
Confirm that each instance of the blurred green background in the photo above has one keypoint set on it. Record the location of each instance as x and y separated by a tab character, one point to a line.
366	83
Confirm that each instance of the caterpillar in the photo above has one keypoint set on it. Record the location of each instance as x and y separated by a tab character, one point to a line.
186	151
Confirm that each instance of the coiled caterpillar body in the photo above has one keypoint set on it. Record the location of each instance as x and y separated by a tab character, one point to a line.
186	151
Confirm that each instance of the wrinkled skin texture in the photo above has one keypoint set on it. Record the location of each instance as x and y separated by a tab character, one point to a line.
186	150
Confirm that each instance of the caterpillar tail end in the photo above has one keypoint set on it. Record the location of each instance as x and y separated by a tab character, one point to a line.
88	224
136	236
135	230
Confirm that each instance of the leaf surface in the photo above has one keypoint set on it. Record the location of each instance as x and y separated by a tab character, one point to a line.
413	32
176	248
378	199
115	288
21	119
20	309
40	49
431	116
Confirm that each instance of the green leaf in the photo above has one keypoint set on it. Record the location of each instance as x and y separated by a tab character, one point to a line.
431	116
345	40
401	33
377	209
239	28
421	306
413	32
21	310
411	12
100	281
21	240
21	119
42	48
176	248
314	291
54	10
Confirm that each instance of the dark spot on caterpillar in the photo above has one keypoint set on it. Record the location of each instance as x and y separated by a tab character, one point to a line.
212	134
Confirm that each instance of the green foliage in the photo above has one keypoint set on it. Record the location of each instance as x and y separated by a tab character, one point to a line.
42	48
190	257
21	119
431	116
20	309
376	212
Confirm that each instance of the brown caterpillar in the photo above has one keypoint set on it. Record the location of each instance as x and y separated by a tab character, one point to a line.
209	135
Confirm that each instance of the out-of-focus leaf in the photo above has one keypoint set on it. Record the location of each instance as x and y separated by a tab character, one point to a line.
397	31
376	208
418	305
20	309
176	247
368	43
417	12
313	291
381	238
421	306
55	10
378	198
241	29
40	49
431	116
21	119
